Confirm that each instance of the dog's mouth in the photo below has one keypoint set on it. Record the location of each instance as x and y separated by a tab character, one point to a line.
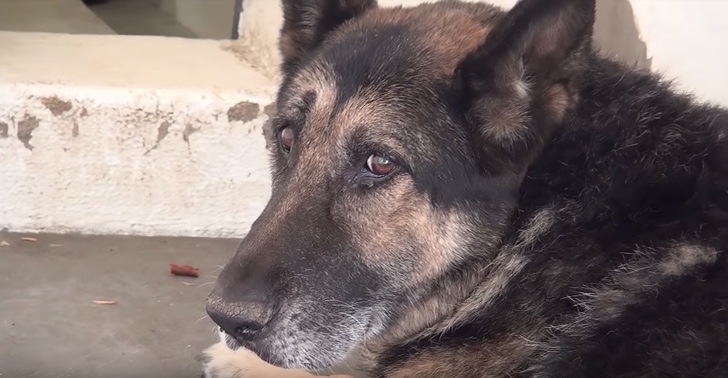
287	353
230	341
265	355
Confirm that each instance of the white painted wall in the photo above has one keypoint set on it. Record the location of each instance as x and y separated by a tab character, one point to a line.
688	40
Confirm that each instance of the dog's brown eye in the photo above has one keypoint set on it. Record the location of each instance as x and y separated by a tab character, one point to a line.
380	165
286	139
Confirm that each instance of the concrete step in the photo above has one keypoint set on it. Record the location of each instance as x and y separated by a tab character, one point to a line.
130	135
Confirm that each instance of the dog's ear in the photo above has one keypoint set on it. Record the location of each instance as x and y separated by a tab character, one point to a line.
306	24
521	82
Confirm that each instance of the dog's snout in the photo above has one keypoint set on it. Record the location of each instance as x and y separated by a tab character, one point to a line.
242	306
240	320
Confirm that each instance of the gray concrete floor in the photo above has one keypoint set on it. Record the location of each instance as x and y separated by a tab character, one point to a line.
50	327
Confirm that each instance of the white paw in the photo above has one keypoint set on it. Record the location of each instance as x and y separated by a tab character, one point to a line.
223	362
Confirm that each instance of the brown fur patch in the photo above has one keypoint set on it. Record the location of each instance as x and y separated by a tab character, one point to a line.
504	121
403	217
558	102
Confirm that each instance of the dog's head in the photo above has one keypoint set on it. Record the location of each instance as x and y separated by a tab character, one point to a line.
401	139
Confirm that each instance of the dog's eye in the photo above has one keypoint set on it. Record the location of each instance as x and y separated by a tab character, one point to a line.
285	139
380	165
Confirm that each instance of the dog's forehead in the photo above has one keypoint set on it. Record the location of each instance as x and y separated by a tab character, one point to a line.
434	38
387	60
385	43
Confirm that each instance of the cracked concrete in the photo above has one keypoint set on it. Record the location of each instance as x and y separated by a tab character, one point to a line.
189	130
25	130
162	132
136	145
243	111
49	326
56	105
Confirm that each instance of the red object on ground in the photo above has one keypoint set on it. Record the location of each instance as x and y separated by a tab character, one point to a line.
184	270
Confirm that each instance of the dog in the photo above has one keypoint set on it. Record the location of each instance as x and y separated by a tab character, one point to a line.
463	191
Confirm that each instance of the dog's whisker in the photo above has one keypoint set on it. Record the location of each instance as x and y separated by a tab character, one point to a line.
200	319
205	284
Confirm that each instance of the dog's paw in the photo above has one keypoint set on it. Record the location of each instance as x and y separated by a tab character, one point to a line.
219	361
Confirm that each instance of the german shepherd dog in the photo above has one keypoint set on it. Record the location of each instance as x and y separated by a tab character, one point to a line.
460	191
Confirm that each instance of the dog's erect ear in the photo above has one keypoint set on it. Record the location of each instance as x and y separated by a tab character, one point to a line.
523	79
307	22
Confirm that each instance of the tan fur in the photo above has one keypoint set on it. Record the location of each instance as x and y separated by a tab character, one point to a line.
502	270
242	363
558	102
505	122
365	110
403	208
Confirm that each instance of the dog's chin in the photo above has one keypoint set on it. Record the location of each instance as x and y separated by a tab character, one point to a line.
234	344
299	353
230	341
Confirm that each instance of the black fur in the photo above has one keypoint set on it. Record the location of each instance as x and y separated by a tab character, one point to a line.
308	22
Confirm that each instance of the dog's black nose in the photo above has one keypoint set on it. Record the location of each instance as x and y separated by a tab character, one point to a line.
241	306
240	320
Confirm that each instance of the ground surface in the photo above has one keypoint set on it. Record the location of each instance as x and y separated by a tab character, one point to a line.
50	327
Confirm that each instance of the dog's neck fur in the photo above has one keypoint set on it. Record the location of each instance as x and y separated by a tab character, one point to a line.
449	302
